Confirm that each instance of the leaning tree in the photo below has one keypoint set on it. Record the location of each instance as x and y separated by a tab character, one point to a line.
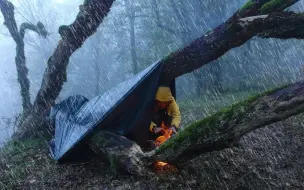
263	18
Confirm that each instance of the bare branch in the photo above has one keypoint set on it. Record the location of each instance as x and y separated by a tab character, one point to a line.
39	29
168	29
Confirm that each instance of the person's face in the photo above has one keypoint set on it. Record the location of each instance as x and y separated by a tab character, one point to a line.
161	105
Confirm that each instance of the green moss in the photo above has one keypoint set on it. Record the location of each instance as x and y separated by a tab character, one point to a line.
205	128
208	31
247	6
113	163
18	158
16	147
166	59
271	6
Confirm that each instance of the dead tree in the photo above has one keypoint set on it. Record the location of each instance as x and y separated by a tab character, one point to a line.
7	9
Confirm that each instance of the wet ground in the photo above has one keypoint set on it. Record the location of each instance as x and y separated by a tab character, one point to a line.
269	158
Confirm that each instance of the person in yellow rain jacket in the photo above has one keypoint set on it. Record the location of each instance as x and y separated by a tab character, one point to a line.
165	110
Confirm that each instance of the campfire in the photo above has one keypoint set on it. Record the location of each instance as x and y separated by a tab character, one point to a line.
164	168
166	134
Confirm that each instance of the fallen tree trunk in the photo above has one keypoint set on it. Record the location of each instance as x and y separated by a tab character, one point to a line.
219	131
120	152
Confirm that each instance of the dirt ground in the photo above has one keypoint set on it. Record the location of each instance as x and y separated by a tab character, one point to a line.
268	158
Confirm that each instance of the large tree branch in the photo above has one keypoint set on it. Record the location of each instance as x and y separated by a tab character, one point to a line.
90	15
219	131
225	128
231	34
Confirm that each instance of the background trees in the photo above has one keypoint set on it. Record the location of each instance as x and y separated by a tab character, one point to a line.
160	27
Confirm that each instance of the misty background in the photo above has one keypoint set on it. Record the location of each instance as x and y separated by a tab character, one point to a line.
133	36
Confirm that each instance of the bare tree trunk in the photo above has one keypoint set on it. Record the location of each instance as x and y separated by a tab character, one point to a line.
97	66
91	14
7	9
23	80
132	42
131	17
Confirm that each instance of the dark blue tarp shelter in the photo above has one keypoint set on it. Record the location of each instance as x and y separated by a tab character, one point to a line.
125	109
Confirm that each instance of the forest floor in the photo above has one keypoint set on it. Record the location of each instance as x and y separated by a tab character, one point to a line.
268	158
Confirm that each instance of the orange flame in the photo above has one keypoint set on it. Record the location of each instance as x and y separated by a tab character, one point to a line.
163	168
166	134
161	164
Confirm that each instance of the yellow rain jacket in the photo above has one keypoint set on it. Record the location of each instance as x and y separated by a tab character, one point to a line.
164	95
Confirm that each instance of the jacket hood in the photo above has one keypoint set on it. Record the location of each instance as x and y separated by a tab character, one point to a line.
164	94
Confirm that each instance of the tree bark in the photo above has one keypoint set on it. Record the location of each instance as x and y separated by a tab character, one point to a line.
120	152
233	33
97	63
90	15
7	9
131	17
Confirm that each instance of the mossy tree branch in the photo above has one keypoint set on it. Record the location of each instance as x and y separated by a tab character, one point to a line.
225	128
216	132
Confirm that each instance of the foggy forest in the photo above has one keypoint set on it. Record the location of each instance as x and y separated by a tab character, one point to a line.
237	71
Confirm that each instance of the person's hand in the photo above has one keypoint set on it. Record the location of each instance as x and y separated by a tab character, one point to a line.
157	130
173	128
